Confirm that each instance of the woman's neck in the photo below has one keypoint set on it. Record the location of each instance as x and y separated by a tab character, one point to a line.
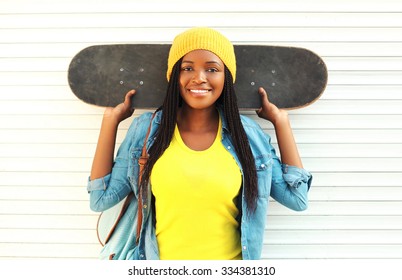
198	121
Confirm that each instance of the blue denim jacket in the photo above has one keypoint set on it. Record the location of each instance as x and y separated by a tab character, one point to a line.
286	184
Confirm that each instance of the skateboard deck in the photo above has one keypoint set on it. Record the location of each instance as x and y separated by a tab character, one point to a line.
103	74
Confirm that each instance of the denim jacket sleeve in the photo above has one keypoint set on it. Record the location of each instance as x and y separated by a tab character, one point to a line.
107	191
287	184
290	184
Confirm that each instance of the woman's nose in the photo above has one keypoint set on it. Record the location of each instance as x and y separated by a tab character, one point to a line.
199	77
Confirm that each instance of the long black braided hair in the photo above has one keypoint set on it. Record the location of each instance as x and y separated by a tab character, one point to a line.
228	102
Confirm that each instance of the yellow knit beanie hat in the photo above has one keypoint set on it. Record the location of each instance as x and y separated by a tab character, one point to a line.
206	39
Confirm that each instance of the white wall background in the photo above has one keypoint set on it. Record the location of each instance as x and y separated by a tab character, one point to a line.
351	139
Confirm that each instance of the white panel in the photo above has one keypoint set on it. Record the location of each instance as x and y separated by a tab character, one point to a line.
353	49
364	208
352	179
56	64
354	164
42	107
49	236
366	164
175	19
318	150
38	179
47	150
371	92
341	136
334	78
338	193
350	150
33	78
82	121
322	121
44	193
322	107
119	35
324	251
46	164
65	49
365	78
364	63
94	6
44	250
342	49
43	64
351	107
334	237
332	92
320	179
327	136
54	136
314	120
344	136
61	222
346	222
37	207
62	92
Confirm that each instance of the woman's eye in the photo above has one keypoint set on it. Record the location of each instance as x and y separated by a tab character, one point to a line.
212	70
186	68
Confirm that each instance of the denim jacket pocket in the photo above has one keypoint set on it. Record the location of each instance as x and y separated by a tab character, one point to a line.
263	165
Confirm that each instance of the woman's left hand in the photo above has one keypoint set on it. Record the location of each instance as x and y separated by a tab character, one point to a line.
269	111
279	118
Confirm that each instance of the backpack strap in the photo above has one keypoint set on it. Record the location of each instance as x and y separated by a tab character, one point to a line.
142	161
121	213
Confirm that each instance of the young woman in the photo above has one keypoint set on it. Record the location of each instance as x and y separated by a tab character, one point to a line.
210	171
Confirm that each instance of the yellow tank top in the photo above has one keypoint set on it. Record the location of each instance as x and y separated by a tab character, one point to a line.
195	194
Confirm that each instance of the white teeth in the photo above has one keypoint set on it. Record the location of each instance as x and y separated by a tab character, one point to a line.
199	90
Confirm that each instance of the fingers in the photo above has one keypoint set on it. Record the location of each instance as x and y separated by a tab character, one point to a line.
263	94
128	100
264	99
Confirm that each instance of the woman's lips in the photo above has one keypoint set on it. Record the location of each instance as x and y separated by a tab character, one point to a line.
199	92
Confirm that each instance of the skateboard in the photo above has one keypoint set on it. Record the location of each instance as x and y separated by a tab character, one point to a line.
103	74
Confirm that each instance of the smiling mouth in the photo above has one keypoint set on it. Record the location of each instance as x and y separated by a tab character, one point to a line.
199	91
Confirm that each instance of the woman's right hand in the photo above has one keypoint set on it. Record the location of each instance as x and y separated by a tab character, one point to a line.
123	110
103	160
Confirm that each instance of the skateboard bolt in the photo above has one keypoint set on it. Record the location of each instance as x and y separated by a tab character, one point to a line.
252	83
141	82
273	71
121	82
121	69
273	84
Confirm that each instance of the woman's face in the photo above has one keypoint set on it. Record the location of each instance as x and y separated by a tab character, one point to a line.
202	78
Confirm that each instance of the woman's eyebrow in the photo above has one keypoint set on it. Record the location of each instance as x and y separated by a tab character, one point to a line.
213	62
207	62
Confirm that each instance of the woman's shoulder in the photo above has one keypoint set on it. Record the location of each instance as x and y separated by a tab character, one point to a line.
140	123
253	130
249	123
144	118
